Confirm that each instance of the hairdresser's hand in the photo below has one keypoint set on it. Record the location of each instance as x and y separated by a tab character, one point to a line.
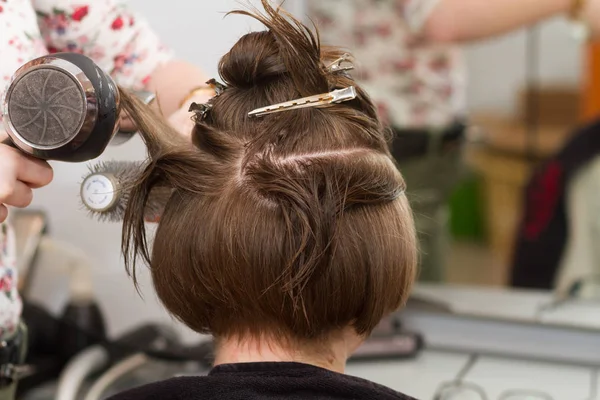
19	175
126	124
181	120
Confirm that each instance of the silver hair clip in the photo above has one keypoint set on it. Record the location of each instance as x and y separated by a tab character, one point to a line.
337	66
200	110
219	88
337	96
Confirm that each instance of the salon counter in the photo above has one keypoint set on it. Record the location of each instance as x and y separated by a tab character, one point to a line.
519	346
418	378
506	322
527	306
421	378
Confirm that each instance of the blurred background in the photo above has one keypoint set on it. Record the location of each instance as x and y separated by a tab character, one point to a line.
509	220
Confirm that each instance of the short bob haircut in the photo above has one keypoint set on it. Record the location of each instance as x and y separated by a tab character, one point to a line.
293	225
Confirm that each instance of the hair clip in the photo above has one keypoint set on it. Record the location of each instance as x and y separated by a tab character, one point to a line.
337	66
337	96
200	110
219	88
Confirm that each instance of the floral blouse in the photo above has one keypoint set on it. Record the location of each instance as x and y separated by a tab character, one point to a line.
415	84
117	39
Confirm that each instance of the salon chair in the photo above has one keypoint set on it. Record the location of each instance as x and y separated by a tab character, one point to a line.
140	368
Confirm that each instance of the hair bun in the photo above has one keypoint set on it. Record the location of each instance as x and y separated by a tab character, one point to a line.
286	48
252	61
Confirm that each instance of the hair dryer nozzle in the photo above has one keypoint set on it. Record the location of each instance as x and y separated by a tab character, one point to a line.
61	107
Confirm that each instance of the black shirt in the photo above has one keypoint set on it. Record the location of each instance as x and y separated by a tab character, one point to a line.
262	381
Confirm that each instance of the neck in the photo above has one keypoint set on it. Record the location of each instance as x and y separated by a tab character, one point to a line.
332	355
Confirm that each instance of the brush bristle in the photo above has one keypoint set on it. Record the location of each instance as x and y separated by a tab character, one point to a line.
126	174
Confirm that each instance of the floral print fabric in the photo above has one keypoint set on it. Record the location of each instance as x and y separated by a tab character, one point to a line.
415	84
10	302
118	40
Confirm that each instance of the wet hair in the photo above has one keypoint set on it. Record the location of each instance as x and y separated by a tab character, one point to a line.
293	225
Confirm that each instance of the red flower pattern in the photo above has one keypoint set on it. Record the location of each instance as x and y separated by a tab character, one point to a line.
6	284
416	82
80	13
117	23
33	32
10	302
60	32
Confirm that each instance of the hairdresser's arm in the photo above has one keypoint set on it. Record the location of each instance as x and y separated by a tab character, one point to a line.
468	20
173	90
19	175
121	42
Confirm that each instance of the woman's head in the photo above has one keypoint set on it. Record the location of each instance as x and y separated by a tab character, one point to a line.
291	226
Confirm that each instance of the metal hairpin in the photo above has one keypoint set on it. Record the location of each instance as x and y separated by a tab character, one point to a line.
200	110
337	66
319	100
219	88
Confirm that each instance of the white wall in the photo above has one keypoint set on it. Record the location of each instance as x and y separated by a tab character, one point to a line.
197	30
498	67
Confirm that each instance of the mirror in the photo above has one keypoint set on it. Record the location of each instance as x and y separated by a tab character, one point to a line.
493	139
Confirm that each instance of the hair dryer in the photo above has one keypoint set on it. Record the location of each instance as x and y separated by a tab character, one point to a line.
63	107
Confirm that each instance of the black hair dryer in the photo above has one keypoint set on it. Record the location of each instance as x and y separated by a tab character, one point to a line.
63	107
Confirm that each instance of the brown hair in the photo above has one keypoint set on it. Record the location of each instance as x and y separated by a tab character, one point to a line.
293	225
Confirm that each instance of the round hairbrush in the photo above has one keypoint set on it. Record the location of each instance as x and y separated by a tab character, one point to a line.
106	187
62	107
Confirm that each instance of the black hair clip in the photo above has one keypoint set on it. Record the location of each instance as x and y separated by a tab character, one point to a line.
219	88
201	110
